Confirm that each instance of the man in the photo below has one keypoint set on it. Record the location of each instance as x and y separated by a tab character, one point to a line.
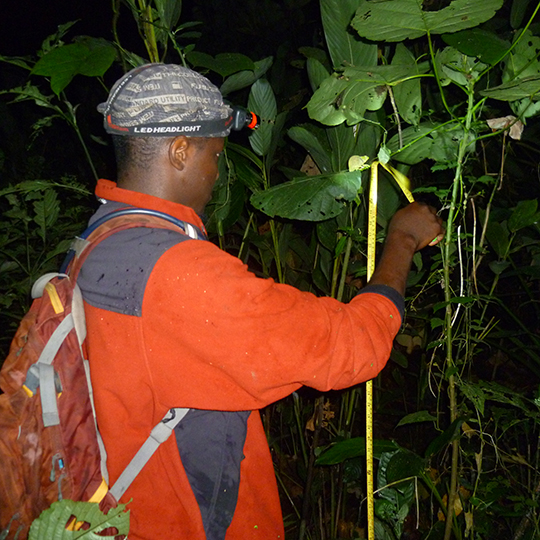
175	322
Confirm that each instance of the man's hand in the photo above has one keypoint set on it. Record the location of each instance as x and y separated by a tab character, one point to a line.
417	223
412	228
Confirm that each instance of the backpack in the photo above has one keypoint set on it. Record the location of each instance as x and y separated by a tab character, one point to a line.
50	447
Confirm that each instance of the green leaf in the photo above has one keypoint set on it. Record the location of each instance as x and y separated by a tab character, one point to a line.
312	139
396	20
99	60
438	142
408	95
343	141
63	63
524	215
498	267
475	394
226	206
514	90
414	418
18	61
324	105
445	438
312	198
457	67
344	47
169	12
263	103
498	237
347	96
51	524
246	78
317	73
245	172
455	300
225	64
352	448
522	62
46	211
519	8
482	44
404	464
30	92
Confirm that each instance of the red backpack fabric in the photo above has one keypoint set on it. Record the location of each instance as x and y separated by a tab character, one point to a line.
49	453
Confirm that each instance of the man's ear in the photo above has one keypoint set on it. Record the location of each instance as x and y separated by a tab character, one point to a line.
178	152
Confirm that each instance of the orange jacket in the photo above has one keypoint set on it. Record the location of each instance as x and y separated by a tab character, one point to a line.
213	336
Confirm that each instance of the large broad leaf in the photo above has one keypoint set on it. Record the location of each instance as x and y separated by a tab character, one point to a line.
46	211
524	215
52	523
404	464
263	103
482	44
523	62
452	432
347	96
454	66
30	92
169	12
345	48
352	448
521	70
92	59
324	105
317	73
408	95
312	198
243	79
516	89
396	20
342	140
313	140
438	142
225	64
415	417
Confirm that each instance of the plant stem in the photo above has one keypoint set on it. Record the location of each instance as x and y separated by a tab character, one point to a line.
344	269
450	364
71	118
275	242
319	408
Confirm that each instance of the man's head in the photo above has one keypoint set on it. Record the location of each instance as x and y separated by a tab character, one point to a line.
168	125
165	100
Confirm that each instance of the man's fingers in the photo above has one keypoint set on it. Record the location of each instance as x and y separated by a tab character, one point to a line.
436	240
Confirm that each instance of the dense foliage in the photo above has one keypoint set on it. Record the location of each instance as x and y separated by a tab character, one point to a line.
444	92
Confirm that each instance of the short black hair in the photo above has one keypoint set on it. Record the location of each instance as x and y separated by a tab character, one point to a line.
138	152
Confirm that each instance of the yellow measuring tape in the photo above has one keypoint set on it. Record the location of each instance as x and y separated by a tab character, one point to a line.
403	183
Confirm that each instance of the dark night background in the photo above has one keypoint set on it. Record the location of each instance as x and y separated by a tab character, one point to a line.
256	28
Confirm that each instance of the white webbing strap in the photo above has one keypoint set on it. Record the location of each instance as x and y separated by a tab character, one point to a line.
47	390
77	309
159	434
57	338
47	386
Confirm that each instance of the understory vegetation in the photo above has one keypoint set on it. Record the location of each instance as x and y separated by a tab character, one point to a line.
445	93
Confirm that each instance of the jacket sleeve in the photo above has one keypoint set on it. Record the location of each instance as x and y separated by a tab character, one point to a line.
218	337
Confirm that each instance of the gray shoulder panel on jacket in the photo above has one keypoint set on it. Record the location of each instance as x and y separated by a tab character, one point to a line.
115	275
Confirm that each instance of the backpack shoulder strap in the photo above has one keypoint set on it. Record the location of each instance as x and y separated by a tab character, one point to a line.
119	220
159	434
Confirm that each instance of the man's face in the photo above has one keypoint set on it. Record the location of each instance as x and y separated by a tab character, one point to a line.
203	166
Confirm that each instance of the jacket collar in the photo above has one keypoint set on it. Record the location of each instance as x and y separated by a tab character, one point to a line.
106	189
